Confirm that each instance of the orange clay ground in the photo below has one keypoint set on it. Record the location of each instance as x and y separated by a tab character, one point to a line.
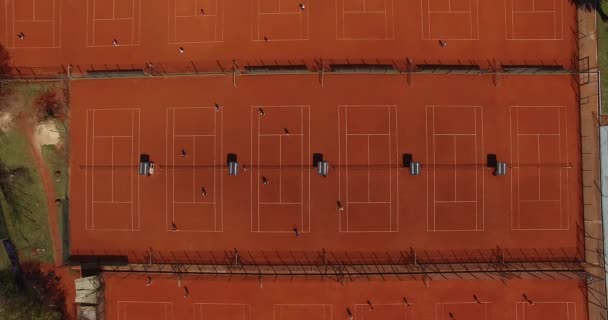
298	299
62	32
362	125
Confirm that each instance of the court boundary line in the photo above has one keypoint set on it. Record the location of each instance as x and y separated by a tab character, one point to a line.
220	15
199	307
479	141
564	212
524	304
279	306
392	138
217	199
474	21
92	201
486	304
555	22
304	206
407	311
57	19
304	34
119	302
90	25
386	21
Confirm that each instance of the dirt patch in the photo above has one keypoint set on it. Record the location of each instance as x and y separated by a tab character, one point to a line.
46	133
6	121
47	184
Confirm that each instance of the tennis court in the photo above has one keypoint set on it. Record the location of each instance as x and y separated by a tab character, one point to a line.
362	127
214	298
132	33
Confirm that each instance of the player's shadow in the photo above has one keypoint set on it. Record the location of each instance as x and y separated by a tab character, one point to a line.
592	5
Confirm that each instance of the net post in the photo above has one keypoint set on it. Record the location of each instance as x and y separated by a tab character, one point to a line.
235	70
410	71
322	73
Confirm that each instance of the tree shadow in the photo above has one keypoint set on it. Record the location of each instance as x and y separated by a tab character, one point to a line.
592	5
44	286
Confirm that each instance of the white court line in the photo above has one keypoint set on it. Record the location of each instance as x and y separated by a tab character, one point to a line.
279	13
165	306
368	172
258	172
518	175
214	171
112	170
172	111
434	174
455	11
369	202
426	142
112	137
454	134
369	134
193	170
221	133
539	11
474	23
455	167
219	16
92	175
525	305
441	305
555	22
246	309
168	171
359	12
360	307
517	226
112	201
340	167
131	171
195	202
301	16
538	160
346	163
112	19
280	203
173	170
567	171
197	16
55	20
39	20
340	34
478	111
389	109
511	151
136	11
279	134
251	175
86	172
302	181
327	309
476	173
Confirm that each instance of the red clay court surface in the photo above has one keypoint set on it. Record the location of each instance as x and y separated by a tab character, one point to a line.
81	32
362	125
214	299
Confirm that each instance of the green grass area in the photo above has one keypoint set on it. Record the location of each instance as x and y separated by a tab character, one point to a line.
28	222
602	34
27	217
56	160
